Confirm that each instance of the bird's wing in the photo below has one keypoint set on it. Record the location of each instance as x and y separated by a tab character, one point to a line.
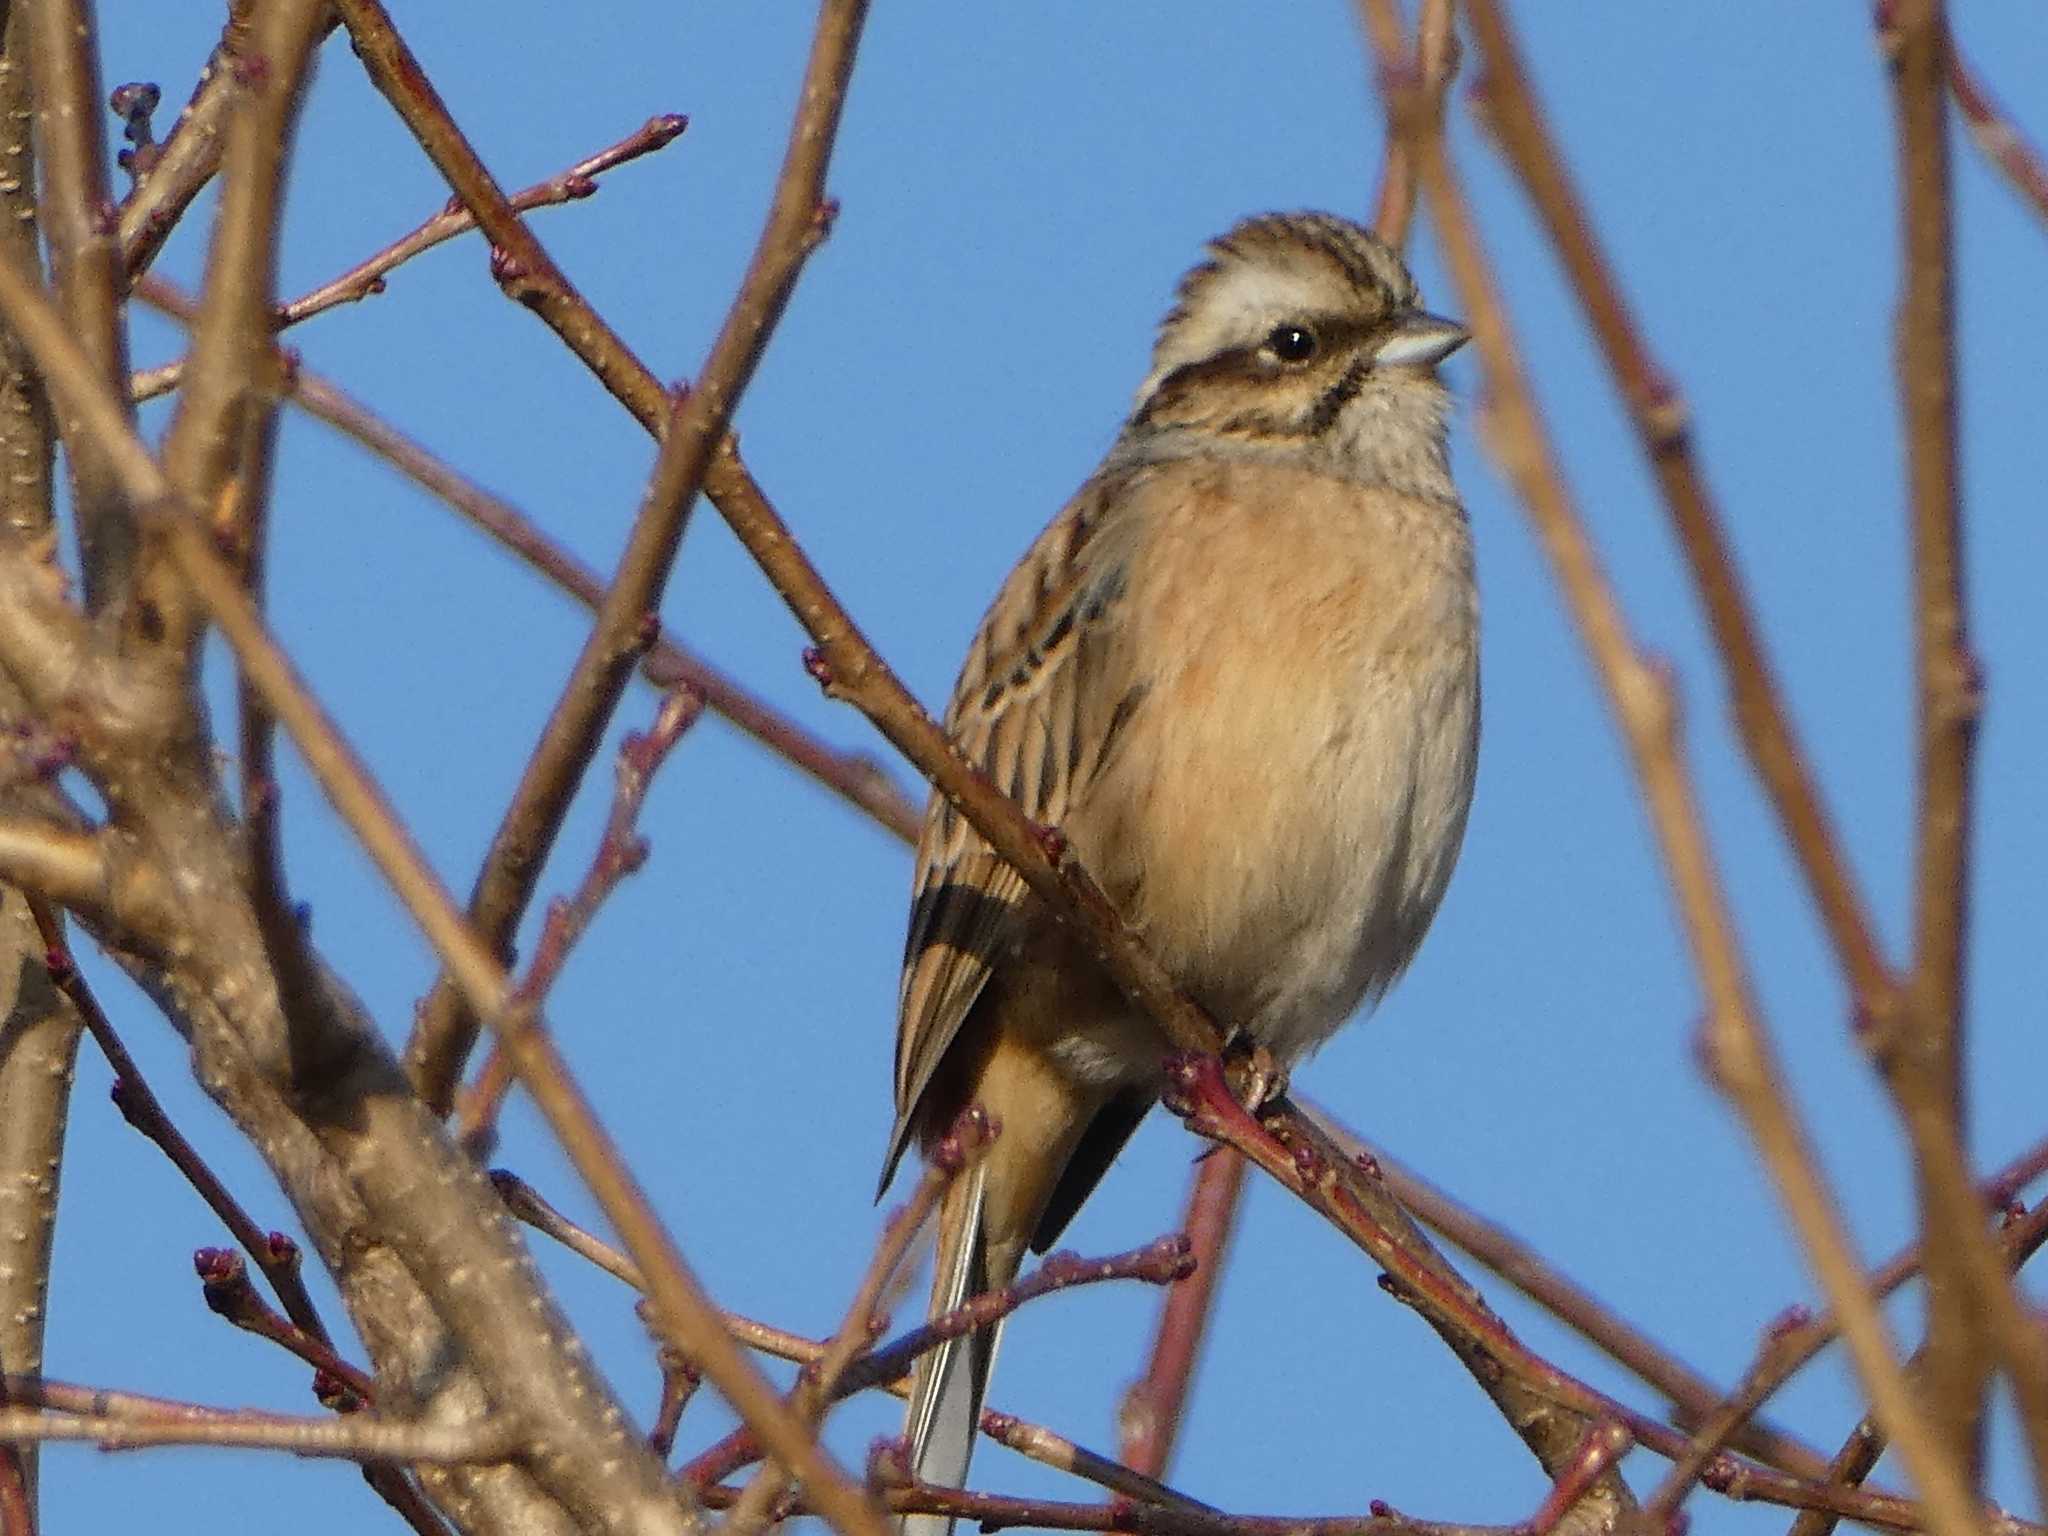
1040	707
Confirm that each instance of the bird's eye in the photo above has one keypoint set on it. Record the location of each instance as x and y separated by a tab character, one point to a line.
1292	343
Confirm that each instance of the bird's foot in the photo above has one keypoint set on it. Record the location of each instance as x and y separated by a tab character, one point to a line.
1254	1074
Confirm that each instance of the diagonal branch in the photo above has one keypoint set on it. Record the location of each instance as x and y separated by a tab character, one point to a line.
1992	131
366	277
798	218
576	1398
853	776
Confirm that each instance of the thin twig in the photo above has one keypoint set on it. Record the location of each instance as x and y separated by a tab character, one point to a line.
996	1512
1691	1395
818	1383
855	777
620	852
1640	696
1992	131
275	1254
1969	1304
1157	1263
186	161
230	1295
215	450
1020	1435
579	181
2019	1237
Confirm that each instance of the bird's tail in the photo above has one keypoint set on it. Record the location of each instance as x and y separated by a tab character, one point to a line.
950	1381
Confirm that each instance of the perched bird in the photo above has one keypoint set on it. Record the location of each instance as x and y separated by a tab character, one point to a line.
1239	671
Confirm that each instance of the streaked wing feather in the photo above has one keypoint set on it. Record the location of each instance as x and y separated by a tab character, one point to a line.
1034	679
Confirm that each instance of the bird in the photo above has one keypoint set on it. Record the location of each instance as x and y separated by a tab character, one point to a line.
1238	672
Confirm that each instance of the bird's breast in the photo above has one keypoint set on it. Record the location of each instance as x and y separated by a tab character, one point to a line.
1286	814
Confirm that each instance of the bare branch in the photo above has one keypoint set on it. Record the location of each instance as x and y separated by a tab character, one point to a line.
420	1191
620	852
579	181
39	1032
1969	1304
817	1385
216	451
1691	1395
1157	1263
357	1437
1661	421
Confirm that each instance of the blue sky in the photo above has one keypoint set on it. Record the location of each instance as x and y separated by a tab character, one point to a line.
1020	188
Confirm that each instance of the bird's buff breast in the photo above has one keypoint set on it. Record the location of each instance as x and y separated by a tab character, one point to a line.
1283	821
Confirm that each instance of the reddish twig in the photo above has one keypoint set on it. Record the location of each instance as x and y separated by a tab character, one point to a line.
1598	1455
17	1513
995	1512
620	853
275	1254
818	1382
1691	1395
1992	131
1148	1421
679	1383
367	276
1157	1263
229	1295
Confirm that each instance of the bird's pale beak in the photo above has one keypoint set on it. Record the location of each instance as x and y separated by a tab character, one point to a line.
1420	340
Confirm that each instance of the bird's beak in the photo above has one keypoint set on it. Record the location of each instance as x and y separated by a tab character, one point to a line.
1420	340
